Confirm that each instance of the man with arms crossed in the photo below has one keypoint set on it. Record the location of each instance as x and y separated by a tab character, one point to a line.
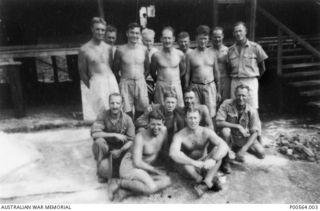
133	62
247	63
189	148
137	172
167	65
112	134
240	125
202	71
97	79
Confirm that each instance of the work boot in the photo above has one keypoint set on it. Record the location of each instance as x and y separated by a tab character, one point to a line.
113	186
200	189
217	186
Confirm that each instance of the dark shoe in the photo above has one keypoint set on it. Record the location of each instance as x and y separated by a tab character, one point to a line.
200	189
102	179
113	186
217	186
240	159
226	168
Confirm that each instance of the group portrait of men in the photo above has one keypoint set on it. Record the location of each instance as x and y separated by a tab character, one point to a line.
203	112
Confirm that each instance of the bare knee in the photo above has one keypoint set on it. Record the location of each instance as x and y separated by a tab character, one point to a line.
226	134
104	168
98	145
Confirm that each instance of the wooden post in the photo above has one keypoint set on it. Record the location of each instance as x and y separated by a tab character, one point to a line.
215	13
13	72
100	8
279	72
252	26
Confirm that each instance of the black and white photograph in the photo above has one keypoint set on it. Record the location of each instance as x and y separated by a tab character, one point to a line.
115	102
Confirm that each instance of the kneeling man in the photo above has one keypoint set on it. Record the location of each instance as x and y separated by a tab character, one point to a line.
240	124
136	170
189	148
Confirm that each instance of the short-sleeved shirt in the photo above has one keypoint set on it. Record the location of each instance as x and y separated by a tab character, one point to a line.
123	125
249	119
244	64
222	55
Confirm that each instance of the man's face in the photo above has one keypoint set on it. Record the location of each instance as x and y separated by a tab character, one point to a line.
202	41
134	35
170	104
155	126
241	96
111	38
98	31
115	104
184	43
148	41
193	119
189	99
240	33
167	39
217	37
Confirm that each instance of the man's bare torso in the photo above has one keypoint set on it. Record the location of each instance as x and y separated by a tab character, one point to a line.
151	146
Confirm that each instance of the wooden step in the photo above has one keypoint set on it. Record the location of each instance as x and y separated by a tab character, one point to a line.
301	74
301	65
305	83
294	57
311	93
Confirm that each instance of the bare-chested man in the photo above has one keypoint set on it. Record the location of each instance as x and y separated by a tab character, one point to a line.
203	72
189	148
131	60
148	41
222	54
184	42
137	171
97	79
167	65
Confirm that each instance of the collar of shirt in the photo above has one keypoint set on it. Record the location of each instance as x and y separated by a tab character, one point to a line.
108	118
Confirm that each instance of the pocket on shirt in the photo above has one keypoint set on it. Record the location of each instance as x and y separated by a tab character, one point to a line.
250	60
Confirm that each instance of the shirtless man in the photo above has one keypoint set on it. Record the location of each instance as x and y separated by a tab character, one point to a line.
184	42
97	79
137	171
167	65
148	41
203	72
222	53
132	61
189	148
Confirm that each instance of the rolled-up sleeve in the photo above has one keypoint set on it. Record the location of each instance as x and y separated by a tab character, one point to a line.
130	133
255	123
261	54
222	112
98	125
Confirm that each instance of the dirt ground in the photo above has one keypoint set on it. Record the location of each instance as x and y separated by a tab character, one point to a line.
57	166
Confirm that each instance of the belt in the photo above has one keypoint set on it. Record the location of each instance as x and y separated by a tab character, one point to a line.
202	83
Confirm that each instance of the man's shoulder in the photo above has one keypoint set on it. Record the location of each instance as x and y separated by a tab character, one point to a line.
85	47
224	48
232	47
126	116
178	51
253	44
227	103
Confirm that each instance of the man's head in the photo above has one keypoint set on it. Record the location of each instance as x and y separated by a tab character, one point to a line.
189	98
217	36
170	101
193	117
148	38
167	37
111	35
156	119
133	33
98	28
240	31
115	103
203	35
241	93
184	41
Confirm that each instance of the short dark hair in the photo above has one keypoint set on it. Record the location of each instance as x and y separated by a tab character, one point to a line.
156	114
170	93
95	20
217	28
183	35
133	25
203	30
242	86
115	94
187	90
240	23
111	28
168	28
193	109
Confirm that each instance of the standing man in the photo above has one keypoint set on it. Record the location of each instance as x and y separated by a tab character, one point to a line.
97	79
167	65
112	134
133	62
222	54
111	38
203	72
247	63
184	42
148	41
189	149
137	170
240	125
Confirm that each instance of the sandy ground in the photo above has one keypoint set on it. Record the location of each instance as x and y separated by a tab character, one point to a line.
56	166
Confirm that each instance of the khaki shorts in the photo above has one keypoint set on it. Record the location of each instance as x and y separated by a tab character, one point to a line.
253	84
206	95
164	86
134	93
